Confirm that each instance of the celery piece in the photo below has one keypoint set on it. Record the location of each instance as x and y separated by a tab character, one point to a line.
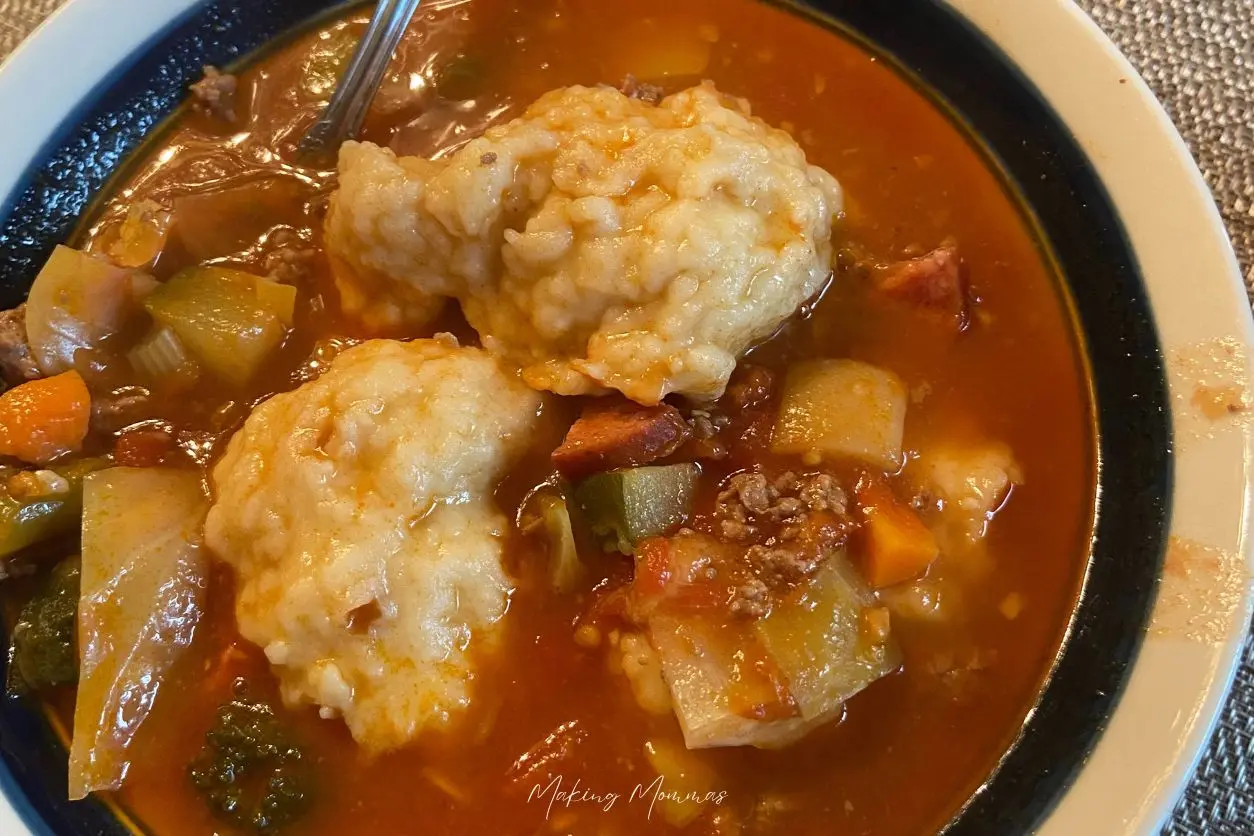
623	507
27	521
142	595
161	357
221	318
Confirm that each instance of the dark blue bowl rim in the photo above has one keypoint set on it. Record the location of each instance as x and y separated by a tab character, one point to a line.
996	104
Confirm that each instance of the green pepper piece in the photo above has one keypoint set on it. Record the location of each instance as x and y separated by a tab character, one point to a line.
25	522
623	507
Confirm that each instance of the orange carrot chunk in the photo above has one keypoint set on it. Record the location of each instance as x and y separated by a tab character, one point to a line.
44	419
897	547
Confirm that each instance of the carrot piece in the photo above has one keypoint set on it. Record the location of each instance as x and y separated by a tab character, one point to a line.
897	547
46	418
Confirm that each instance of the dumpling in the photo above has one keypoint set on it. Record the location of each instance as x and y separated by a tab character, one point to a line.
357	513
597	242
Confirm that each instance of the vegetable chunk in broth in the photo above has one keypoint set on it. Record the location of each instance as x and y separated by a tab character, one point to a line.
798	561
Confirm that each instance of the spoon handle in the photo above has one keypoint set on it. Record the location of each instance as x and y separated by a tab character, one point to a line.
343	116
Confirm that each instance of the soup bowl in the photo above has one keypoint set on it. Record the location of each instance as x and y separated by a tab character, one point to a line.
1122	214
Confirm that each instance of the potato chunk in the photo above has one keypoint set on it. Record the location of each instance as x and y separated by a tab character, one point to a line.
842	408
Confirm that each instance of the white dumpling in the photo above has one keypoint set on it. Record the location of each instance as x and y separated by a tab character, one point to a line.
357	513
597	242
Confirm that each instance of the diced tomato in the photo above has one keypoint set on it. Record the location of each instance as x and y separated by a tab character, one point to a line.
653	567
145	447
699	597
760	690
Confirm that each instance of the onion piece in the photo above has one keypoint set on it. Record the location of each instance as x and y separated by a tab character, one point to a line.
142	236
545	510
76	301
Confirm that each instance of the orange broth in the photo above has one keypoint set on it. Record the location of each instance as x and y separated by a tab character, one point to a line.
913	746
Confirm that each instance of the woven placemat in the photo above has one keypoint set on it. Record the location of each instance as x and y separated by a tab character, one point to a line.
1198	56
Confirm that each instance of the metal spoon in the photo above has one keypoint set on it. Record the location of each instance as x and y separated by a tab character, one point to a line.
346	111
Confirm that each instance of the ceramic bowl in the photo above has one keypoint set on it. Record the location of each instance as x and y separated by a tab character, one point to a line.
1121	208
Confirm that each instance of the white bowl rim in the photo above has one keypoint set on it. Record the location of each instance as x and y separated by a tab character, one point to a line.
1143	760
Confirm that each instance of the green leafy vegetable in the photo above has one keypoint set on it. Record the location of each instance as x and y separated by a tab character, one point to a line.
546	511
623	507
249	772
461	78
43	652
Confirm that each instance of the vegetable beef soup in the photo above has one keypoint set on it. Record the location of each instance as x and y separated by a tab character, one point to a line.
664	419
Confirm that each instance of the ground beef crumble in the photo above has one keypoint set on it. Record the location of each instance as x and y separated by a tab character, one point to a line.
647	93
788	526
215	93
740	417
114	411
290	265
752	599
17	364
707	424
290	259
750	502
750	389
